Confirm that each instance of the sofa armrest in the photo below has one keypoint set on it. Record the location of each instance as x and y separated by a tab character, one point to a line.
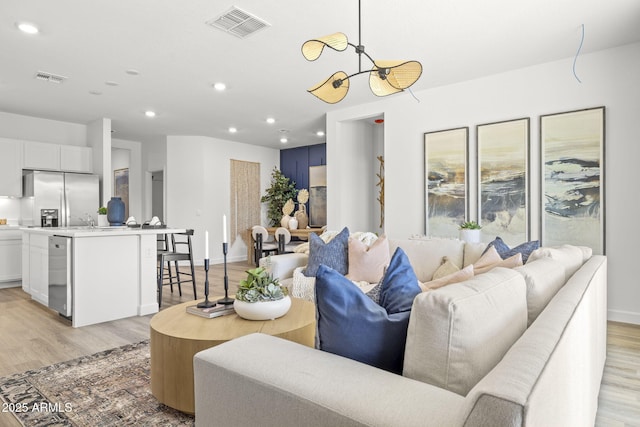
289	384
282	266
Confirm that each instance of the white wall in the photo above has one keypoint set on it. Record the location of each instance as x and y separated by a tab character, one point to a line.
609	78
42	130
197	181
128	154
154	158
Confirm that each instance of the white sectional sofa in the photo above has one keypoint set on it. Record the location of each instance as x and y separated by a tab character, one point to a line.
510	347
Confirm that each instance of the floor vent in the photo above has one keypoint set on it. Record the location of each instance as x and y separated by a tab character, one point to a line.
238	22
49	77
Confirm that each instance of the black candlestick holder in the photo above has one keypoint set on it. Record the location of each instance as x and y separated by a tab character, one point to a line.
226	300
206	303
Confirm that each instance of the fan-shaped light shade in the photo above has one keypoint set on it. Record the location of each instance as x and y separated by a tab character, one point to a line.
312	49
332	90
389	77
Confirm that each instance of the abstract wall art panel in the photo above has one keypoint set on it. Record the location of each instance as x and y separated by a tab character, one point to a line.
446	181
503	180
572	187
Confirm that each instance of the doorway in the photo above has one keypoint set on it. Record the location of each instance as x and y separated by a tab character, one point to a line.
157	195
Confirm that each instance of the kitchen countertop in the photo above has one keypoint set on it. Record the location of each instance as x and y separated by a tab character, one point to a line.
86	231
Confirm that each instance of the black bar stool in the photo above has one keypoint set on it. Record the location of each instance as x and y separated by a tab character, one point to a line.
181	250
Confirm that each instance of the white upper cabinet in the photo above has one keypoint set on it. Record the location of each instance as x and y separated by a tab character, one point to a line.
10	167
40	155
76	159
66	158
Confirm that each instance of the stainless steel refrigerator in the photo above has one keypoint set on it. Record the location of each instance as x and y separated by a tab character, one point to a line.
59	199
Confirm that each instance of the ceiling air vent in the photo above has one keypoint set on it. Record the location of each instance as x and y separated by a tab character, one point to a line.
49	77
238	22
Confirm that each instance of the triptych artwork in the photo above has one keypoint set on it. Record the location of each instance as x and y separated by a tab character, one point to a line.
571	185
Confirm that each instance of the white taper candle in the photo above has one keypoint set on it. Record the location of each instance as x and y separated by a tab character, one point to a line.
206	245
224	229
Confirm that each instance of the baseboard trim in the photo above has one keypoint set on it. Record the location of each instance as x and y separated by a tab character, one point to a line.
624	316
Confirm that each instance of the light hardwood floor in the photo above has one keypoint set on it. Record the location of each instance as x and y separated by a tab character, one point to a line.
32	336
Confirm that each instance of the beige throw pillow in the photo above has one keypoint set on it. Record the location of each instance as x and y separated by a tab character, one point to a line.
456	277
446	268
367	263
491	259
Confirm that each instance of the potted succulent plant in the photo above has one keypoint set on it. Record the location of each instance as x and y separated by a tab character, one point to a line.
261	297
470	232
102	217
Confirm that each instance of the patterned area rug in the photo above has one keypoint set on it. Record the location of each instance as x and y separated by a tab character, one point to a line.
110	388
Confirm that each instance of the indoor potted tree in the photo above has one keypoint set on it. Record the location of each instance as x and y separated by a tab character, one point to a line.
281	190
470	232
261	297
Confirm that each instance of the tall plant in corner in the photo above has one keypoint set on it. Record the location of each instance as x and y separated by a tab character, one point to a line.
281	190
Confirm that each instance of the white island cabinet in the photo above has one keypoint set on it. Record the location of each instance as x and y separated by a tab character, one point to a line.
112	271
10	254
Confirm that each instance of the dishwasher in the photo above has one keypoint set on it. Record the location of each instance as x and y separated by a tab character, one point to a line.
60	283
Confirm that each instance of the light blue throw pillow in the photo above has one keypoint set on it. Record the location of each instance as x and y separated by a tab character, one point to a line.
334	254
352	325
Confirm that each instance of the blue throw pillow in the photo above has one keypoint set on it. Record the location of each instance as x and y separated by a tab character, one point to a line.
350	324
505	251
334	254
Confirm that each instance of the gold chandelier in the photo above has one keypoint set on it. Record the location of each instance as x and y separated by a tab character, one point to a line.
385	77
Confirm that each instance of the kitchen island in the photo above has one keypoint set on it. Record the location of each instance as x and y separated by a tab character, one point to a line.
112	270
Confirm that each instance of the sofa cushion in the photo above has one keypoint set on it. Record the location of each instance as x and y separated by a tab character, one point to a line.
367	263
472	252
492	259
544	277
458	333
334	254
350	324
426	255
505	251
572	257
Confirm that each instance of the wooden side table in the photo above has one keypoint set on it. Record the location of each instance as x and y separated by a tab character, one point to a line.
176	336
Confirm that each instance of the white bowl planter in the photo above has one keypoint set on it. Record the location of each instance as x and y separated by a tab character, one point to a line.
263	310
470	235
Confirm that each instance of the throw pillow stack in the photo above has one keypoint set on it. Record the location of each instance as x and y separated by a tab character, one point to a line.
352	325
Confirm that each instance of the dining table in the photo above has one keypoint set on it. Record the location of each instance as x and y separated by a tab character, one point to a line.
300	233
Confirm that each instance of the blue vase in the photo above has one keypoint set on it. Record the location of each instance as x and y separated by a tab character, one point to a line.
115	211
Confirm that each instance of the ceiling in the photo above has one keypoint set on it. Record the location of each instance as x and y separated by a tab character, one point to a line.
178	57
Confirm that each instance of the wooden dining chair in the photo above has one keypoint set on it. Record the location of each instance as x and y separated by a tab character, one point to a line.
263	244
285	244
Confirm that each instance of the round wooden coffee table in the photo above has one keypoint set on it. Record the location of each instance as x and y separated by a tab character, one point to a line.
176	336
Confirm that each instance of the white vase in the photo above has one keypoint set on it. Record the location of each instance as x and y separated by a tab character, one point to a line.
470	236
293	224
284	222
103	221
263	310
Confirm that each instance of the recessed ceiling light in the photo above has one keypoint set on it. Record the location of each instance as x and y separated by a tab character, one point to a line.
111	83
233	130
95	92
132	72
271	120
150	113
219	86
27	27
284	140
320	133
